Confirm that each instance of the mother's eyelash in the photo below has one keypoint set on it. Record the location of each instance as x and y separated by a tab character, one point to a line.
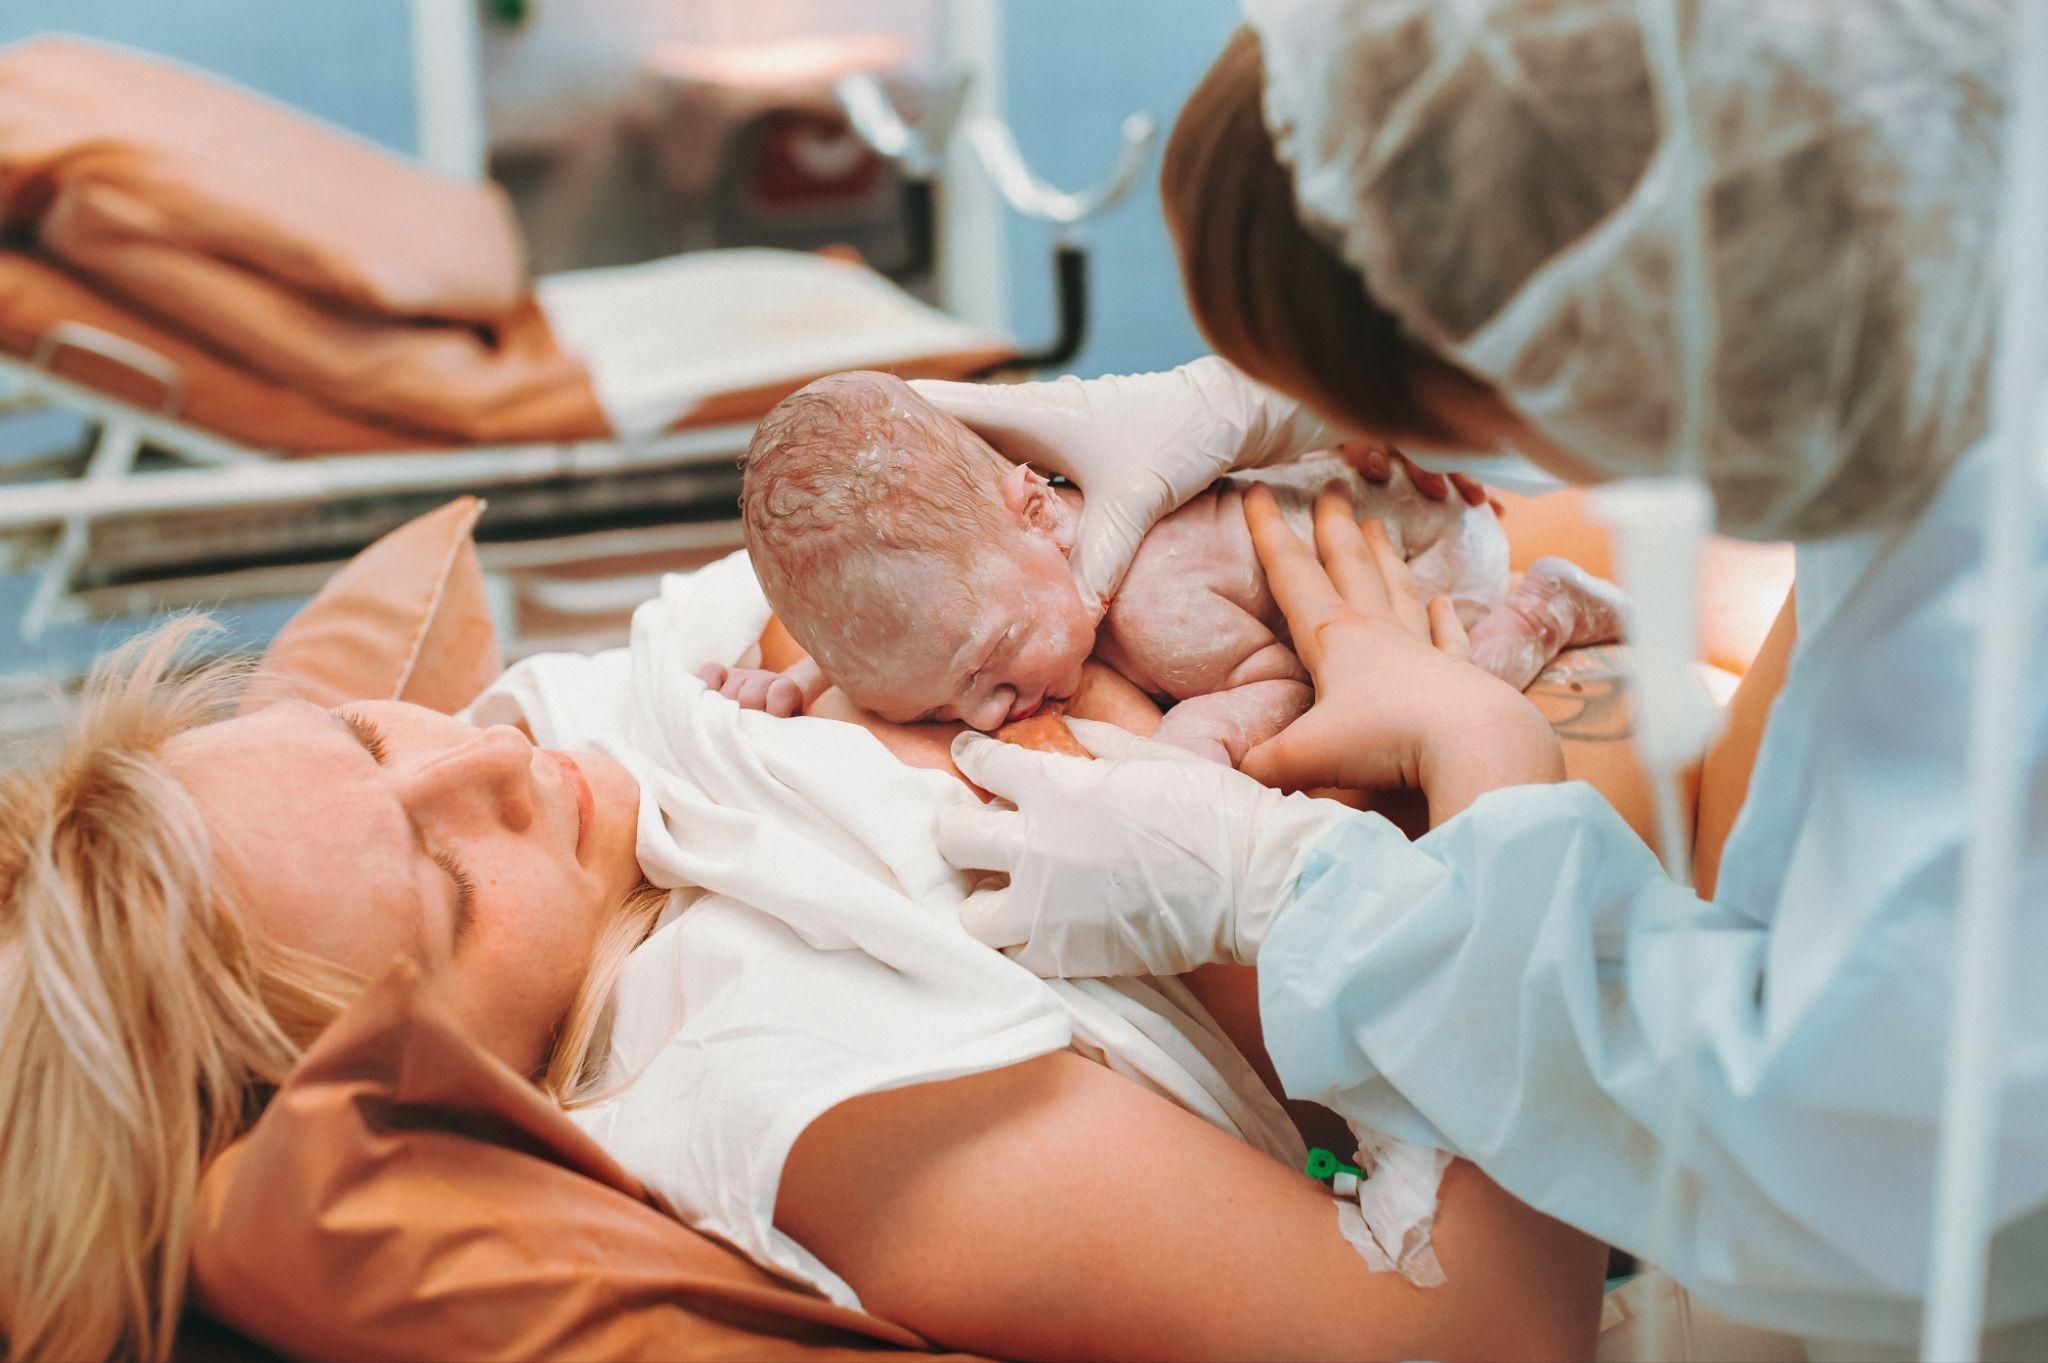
366	734
465	893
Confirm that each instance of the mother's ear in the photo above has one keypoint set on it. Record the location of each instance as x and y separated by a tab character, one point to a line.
1030	499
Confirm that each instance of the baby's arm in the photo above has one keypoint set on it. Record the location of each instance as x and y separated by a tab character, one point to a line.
1262	695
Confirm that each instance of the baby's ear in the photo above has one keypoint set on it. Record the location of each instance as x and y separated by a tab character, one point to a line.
1032	501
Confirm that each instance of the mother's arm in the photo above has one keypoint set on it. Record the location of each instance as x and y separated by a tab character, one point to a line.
1056	1210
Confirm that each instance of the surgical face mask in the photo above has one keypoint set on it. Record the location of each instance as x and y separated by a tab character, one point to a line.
1502	174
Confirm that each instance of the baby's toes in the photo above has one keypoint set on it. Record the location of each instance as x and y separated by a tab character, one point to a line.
713	675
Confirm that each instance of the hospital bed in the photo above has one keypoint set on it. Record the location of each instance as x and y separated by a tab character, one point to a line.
138	507
143	472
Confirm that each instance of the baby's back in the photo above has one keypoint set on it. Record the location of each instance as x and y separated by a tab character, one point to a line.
1194	607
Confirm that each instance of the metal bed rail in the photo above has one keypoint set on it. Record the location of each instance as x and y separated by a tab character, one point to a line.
109	520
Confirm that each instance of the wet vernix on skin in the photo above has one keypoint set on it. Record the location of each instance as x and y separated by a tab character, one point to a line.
927	576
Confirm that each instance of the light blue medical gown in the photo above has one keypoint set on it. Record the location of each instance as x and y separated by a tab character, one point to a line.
1502	987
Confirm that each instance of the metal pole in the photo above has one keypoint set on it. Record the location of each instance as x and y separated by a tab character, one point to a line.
1967	1146
1687	509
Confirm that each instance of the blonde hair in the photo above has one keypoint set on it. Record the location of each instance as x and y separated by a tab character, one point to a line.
576	1062
852	478
140	1018
143	1018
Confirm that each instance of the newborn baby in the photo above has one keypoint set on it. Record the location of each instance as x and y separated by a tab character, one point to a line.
927	577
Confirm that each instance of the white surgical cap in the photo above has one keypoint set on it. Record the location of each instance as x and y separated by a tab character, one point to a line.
1498	172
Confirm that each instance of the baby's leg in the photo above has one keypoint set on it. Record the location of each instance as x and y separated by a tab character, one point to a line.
1225	725
1262	695
1056	1210
1558	605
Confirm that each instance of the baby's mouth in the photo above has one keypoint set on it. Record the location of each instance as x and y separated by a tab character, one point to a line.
1025	710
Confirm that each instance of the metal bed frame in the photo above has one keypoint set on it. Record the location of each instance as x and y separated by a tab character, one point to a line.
146	511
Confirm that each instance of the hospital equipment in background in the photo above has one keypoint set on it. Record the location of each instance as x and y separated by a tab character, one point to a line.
917	150
732	144
131	508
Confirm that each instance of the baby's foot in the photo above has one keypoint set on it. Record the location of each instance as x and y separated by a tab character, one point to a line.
1558	605
755	688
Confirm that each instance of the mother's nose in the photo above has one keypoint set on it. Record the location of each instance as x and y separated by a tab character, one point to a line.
491	767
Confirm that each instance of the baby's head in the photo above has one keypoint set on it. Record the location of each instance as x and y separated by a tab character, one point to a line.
925	573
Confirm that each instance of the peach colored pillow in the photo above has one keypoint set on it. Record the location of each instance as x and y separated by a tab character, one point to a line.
405	1195
406	619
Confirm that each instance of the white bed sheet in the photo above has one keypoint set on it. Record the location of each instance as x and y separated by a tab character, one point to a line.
661	337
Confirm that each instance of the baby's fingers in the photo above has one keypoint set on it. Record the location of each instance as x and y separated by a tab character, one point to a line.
751	691
785	698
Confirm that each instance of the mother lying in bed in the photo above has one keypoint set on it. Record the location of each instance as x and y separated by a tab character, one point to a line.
826	1072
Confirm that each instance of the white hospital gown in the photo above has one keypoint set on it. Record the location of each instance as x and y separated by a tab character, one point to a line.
811	951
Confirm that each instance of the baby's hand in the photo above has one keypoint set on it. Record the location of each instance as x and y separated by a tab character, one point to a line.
755	688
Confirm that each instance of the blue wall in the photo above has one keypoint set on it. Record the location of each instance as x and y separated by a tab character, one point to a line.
1072	69
350	63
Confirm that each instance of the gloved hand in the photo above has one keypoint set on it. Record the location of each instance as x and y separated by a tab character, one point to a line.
1138	445
1150	862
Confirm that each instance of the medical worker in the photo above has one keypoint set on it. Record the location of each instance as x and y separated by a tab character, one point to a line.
1457	225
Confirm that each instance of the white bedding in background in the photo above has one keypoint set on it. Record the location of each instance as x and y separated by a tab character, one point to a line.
811	950
661	337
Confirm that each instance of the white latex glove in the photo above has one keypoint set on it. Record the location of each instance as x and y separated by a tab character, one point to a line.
1138	445
1150	862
